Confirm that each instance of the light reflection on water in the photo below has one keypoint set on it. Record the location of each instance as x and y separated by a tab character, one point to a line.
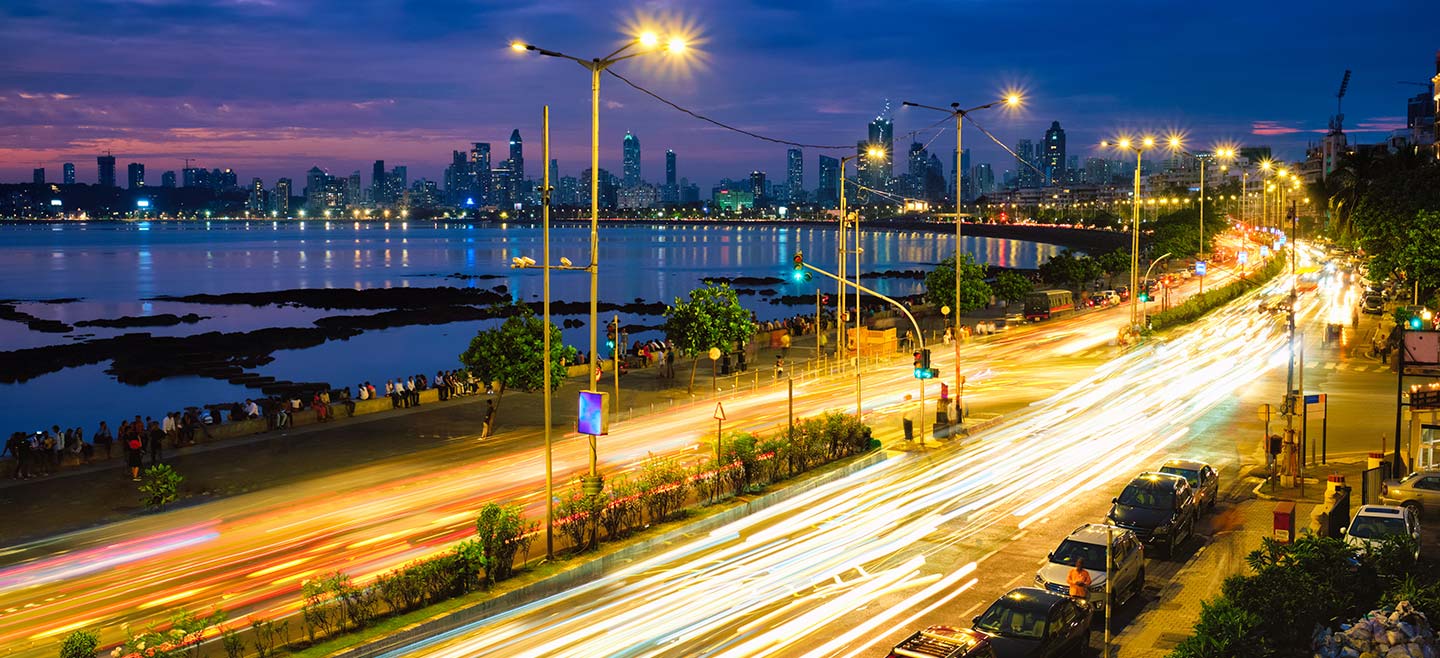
113	267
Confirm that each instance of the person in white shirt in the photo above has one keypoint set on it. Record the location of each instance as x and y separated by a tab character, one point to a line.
252	410
168	426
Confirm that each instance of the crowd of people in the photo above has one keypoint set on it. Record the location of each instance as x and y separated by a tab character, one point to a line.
141	442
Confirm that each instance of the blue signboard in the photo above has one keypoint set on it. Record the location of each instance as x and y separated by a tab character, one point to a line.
1243	257
1199	268
594	417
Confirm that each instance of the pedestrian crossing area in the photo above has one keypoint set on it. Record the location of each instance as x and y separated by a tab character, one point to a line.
1348	366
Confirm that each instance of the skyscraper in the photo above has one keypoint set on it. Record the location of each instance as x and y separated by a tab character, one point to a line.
757	189
795	175
315	181
554	173
984	178
480	172
106	166
280	200
1054	156
379	192
827	194
670	193
135	176
167	179
38	176
354	195
882	134
630	166
517	165
68	177
962	168
396	183
256	203
1025	163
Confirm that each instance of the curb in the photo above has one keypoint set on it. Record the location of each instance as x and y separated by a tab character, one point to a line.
592	569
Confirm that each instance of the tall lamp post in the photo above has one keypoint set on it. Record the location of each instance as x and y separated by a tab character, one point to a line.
1139	147
1223	153
648	43
842	250
1011	100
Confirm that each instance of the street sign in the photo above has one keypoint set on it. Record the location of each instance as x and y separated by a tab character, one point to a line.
1264	413
1317	400
1423	371
1199	268
1243	257
719	412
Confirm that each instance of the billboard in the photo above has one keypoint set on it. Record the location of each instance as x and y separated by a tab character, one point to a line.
594	413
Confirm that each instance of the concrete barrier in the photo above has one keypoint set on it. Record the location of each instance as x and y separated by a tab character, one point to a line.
589	570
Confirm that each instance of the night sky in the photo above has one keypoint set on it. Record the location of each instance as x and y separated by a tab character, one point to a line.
271	87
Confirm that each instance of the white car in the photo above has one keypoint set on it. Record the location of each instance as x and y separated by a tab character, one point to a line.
1373	523
1088	543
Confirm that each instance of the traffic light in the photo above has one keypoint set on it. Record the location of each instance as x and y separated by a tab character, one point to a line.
922	365
1144	296
610	337
1415	322
800	275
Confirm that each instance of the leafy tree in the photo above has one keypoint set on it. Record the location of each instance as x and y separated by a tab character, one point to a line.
80	644
1418	258
1115	262
1011	286
159	486
501	533
512	354
940	285
712	317
1067	269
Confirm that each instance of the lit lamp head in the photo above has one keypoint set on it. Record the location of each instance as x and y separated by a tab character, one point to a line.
519	46
875	152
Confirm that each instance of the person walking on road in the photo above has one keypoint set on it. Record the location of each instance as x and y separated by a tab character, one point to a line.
1079	581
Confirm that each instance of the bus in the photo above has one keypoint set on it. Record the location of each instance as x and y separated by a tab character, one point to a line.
1045	304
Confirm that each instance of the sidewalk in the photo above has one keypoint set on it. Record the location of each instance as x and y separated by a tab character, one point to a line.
1172	604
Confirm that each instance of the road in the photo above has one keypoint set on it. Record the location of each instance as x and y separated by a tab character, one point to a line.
250	553
852	565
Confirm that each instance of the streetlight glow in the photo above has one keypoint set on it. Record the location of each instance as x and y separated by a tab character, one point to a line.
676	45
517	46
649	39
1149	141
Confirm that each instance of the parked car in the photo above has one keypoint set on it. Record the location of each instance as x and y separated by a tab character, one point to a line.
1417	491
1088	543
1373	523
1158	507
1097	301
1111	296
1202	478
1124	292
944	642
1033	623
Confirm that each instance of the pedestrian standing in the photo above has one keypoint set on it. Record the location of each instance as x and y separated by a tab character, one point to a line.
157	437
779	366
133	451
103	439
1079	581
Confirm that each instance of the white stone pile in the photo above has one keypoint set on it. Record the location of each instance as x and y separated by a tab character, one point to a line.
1401	633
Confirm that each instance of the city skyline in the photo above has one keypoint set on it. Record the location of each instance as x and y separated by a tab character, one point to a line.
163	107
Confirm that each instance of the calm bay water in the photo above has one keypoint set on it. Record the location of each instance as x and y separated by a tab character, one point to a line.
113	268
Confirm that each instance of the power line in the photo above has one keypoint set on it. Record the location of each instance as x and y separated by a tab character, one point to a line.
726	126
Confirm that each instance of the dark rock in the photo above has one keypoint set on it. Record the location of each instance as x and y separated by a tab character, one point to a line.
162	320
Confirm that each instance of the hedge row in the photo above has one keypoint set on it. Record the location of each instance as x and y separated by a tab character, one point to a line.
1191	309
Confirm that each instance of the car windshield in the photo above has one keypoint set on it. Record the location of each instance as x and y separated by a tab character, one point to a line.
1147	495
1192	476
1374	527
1007	619
1071	550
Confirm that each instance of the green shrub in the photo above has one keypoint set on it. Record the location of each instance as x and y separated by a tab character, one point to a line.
502	533
159	486
80	644
1225	630
1197	306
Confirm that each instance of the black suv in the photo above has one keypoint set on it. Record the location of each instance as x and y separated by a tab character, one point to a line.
1158	507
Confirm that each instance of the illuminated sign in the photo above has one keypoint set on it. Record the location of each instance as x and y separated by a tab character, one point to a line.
143	203
56	203
594	415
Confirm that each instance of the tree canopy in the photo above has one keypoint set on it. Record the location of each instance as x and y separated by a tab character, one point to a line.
711	317
940	285
512	353
1012	286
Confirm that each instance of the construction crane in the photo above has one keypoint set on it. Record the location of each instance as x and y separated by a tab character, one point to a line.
1337	122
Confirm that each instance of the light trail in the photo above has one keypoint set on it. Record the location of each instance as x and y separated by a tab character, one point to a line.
782	583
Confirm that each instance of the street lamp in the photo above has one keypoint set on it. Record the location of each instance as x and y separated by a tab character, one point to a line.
1139	147
647	42
1136	293
870	152
1224	153
1010	100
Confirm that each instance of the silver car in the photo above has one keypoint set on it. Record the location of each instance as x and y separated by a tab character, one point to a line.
1202	477
1417	491
1088	543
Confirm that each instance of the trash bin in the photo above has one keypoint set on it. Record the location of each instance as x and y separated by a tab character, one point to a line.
1284	526
909	426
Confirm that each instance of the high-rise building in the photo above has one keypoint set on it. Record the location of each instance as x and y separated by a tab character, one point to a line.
1435	87
1054	155
795	175
757	189
68	173
554	173
280	199
828	193
500	186
1097	171
379	192
882	134
167	179
396	183
567	191
105	165
517	165
1025	164
38	176
606	184
315	181
224	180
630	166
670	193
354	191
256	203
135	176
984	178
480	172
967	184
